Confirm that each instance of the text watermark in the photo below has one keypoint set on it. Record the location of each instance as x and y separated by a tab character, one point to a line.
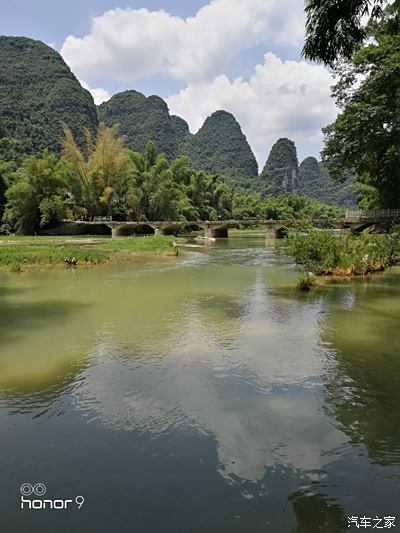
32	498
364	522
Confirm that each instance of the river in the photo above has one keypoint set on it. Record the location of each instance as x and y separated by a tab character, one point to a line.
202	393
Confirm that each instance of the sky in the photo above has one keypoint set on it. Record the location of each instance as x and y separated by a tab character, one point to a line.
243	56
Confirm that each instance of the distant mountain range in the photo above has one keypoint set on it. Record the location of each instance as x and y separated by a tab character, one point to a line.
38	91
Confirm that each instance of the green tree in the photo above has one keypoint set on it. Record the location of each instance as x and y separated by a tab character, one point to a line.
334	30
365	137
6	170
160	194
200	191
38	195
101	172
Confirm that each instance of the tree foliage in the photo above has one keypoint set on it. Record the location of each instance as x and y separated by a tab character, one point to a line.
98	171
365	137
334	30
105	178
38	194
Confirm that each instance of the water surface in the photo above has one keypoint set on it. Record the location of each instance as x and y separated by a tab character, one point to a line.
199	394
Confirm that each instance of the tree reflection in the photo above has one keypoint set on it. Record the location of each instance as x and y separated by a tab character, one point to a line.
363	385
315	513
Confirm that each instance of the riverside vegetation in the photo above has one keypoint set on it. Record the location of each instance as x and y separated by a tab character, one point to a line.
104	178
322	253
19	254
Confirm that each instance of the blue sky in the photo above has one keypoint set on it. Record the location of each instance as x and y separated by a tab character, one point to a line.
238	55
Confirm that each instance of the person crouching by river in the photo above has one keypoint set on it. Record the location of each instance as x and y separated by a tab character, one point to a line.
71	261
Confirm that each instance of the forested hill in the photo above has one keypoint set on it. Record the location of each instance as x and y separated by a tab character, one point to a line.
316	182
38	91
141	120
281	171
221	147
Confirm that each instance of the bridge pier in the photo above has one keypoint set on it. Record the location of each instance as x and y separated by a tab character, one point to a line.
270	232
273	231
171	228
115	231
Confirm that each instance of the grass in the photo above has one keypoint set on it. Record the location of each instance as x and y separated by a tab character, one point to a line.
20	253
146	244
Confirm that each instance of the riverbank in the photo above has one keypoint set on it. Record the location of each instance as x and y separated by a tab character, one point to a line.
324	254
23	253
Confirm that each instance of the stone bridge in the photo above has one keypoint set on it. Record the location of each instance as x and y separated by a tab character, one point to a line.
354	221
212	229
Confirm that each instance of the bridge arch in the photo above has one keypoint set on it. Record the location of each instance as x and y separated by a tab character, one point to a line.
143	229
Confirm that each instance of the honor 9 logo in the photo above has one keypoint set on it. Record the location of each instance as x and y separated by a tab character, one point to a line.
32	498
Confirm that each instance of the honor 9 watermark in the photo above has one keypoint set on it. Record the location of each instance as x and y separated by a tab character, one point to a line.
33	498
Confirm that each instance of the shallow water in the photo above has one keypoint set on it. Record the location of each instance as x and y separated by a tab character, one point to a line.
199	394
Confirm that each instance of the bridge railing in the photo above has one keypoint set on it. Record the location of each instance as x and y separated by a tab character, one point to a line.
372	214
102	219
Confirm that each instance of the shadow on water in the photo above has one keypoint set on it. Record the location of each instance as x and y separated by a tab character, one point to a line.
29	379
38	398
18	315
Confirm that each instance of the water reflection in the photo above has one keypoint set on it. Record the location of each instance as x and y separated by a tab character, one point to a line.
316	513
280	402
363	391
230	371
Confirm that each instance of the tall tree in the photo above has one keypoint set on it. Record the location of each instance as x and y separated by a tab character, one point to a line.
160	193
99	170
365	137
334	30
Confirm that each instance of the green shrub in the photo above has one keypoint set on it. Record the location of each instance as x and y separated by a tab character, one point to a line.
324	252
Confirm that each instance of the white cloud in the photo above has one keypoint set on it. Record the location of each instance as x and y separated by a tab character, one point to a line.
281	99
129	44
100	95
